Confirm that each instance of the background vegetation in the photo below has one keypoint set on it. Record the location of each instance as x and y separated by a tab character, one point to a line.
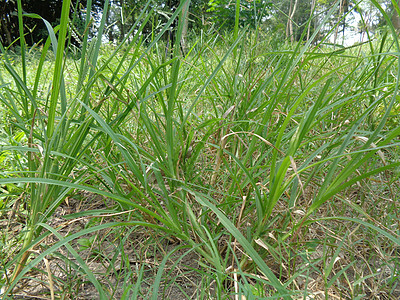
246	156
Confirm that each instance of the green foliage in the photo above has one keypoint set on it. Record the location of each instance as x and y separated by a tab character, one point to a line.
223	13
35	30
236	152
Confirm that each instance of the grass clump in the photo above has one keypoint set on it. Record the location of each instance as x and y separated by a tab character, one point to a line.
236	170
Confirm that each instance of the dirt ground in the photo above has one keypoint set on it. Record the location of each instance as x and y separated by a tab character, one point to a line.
111	261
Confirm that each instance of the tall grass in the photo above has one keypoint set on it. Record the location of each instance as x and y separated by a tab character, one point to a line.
233	151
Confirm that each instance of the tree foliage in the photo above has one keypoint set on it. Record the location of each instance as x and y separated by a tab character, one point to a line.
281	19
222	12
35	29
124	13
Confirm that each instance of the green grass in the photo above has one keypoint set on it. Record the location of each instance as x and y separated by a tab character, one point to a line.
237	170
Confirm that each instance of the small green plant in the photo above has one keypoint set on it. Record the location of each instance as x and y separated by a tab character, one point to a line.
86	243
